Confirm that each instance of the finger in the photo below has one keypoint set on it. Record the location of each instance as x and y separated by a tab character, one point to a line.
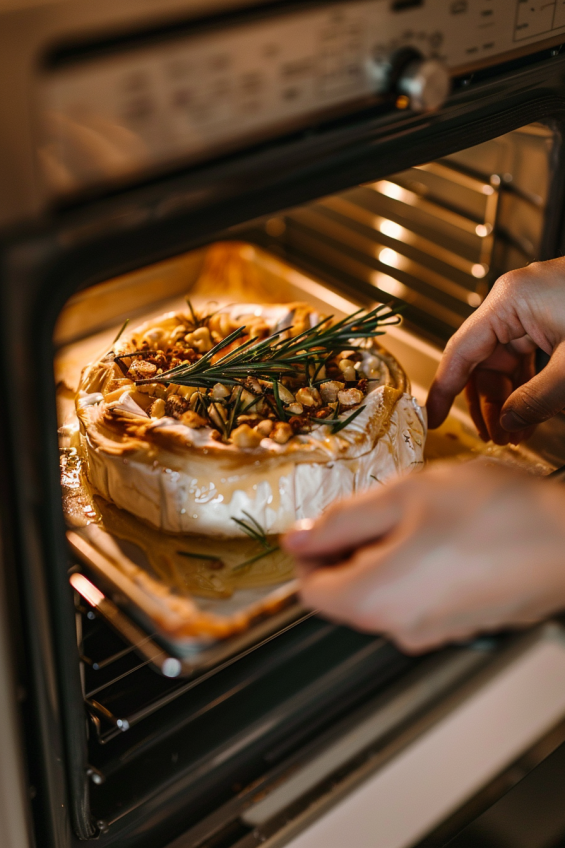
493	389
474	405
345	526
474	342
540	398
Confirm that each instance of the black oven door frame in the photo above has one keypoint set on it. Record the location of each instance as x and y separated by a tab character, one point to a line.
98	238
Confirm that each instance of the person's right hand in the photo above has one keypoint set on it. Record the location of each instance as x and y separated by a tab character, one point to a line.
492	356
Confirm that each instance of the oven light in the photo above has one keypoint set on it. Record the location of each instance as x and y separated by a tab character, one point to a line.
391	229
474	299
483	230
390	285
479	271
395	192
389	257
86	589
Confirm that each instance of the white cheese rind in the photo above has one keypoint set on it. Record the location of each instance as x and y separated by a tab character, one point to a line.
177	501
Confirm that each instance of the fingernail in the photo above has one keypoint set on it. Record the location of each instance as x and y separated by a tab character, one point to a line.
298	537
511	421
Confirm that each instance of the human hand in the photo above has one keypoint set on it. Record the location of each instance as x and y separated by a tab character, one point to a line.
438	556
492	356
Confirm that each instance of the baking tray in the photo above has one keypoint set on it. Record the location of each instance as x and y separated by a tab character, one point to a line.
146	608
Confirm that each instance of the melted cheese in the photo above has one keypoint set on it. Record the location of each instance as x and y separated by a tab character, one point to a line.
182	481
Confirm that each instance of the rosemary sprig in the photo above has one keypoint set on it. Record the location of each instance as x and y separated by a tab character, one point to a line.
121	330
254	530
336	423
205	557
272	357
278	402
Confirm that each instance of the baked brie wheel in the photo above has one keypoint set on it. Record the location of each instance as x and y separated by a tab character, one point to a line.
193	420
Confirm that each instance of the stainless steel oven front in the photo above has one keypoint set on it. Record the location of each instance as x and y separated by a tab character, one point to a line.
338	153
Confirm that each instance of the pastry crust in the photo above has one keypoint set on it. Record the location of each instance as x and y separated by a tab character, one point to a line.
180	477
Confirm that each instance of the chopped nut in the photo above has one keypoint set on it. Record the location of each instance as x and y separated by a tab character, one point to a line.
253	385
284	394
157	408
347	368
330	389
141	370
323	413
175	405
219	391
193	420
282	432
200	339
372	367
216	435
295	408
177	334
252	419
350	397
265	427
217	414
308	396
244	437
363	385
186	391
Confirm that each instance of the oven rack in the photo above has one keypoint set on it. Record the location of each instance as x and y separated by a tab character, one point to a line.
116	663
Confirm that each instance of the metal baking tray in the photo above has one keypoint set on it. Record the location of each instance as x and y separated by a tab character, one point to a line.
146	609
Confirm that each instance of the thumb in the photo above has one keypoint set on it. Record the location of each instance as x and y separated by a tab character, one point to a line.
346	526
540	398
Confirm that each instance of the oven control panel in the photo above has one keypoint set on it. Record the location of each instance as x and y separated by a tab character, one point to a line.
189	98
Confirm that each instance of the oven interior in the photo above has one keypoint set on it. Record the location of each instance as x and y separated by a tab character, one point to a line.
167	742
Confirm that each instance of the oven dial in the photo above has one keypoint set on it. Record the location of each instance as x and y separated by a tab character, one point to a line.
422	83
426	84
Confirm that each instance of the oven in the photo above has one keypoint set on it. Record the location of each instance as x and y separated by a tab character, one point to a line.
343	154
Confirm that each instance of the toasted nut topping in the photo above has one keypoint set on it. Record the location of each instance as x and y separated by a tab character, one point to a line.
309	396
200	339
295	408
193	420
347	368
216	435
265	427
244	437
350	397
220	391
141	370
254	386
157	409
284	394
186	391
175	405
282	432
330	389
154	337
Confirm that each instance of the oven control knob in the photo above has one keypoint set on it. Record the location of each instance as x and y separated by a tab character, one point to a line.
426	83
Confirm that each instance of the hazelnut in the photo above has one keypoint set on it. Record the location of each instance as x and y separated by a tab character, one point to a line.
308	396
330	389
350	397
200	339
244	437
141	370
347	368
175	406
157	408
282	432
219	391
295	408
284	394
193	420
265	427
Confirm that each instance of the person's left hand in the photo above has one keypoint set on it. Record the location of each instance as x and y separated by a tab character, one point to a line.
438	556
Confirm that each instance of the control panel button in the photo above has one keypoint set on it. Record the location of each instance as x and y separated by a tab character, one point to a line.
426	83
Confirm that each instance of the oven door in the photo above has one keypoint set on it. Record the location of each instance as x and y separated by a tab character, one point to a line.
320	733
